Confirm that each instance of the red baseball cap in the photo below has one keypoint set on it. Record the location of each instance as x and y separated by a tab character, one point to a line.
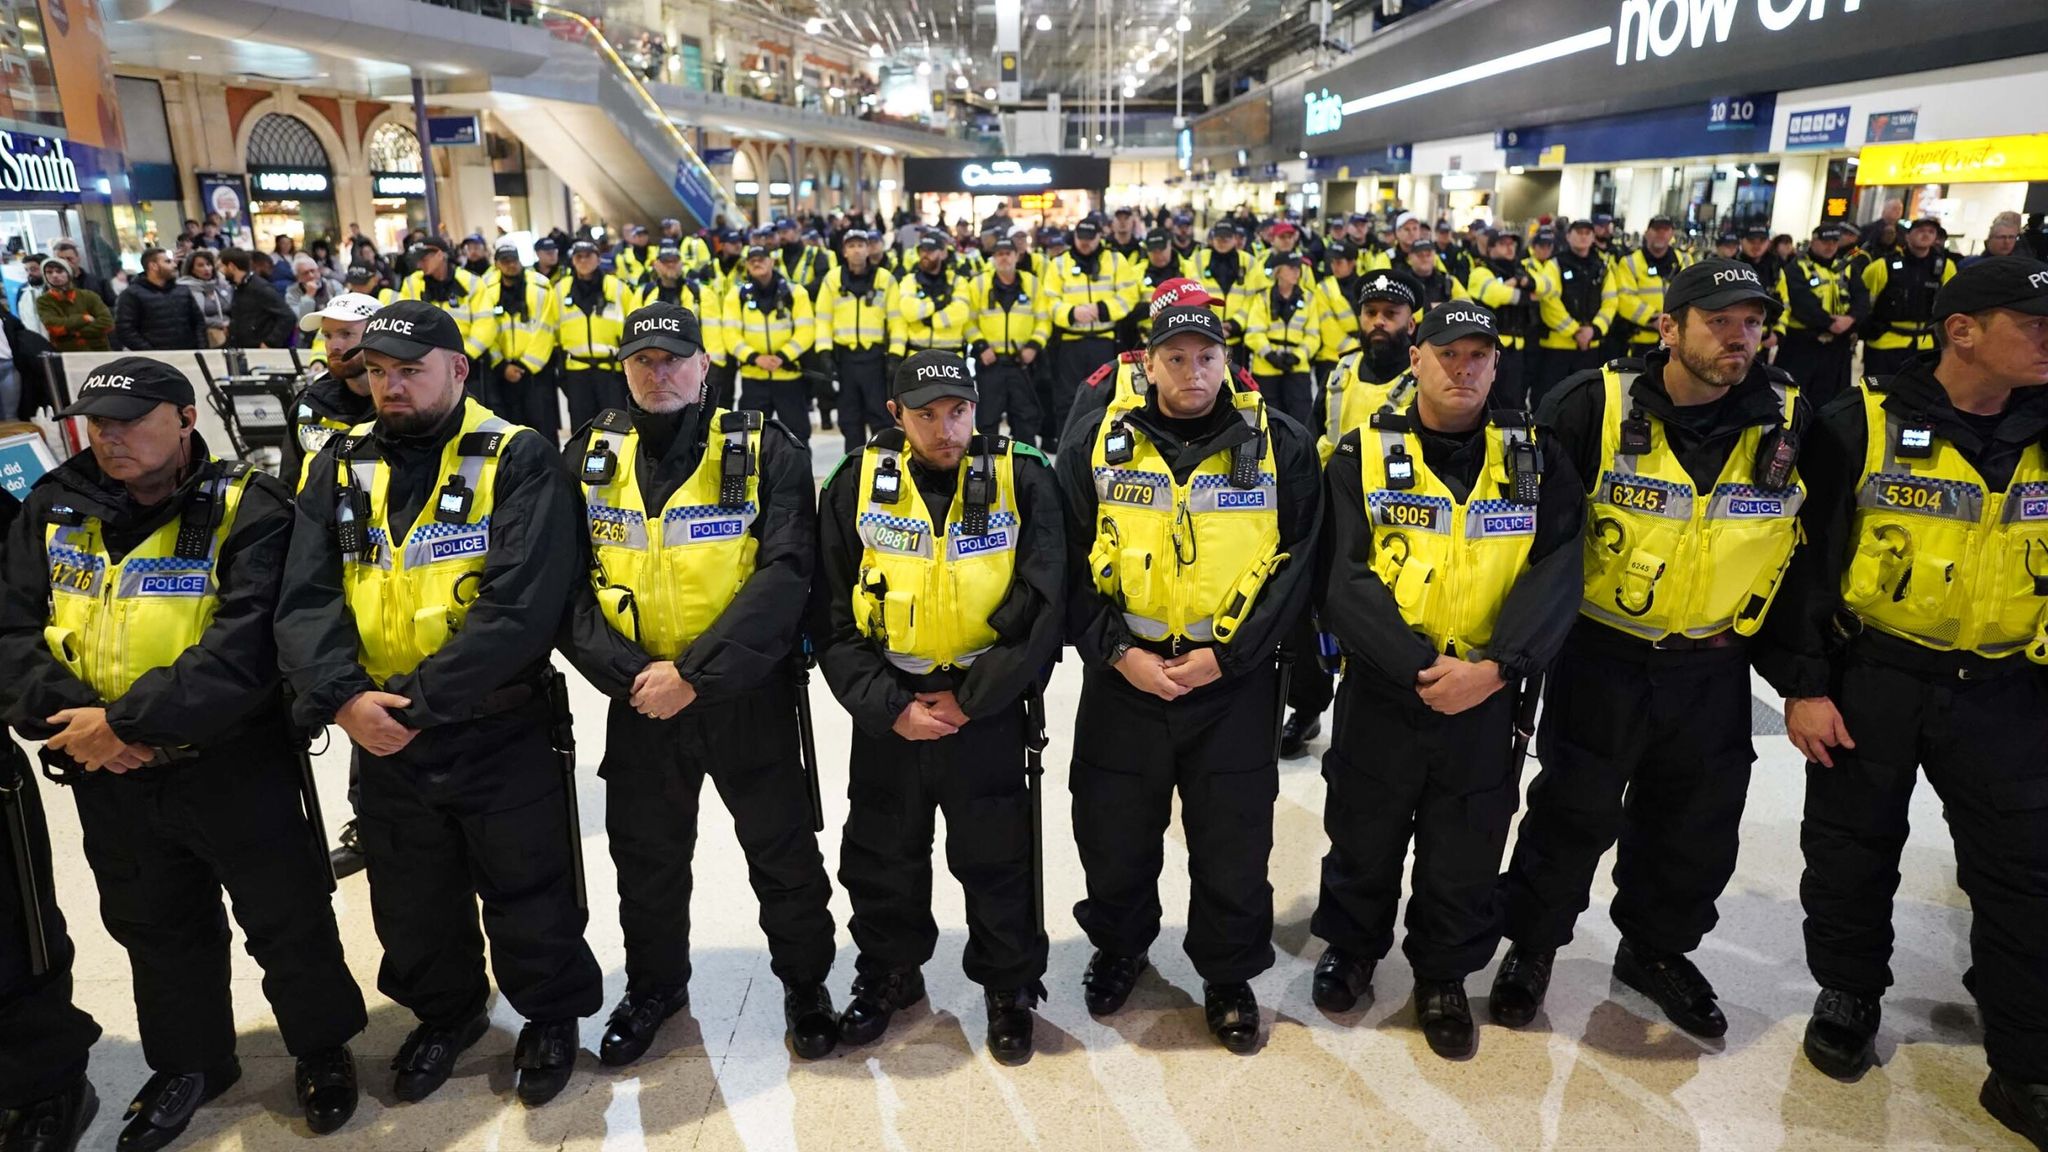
1177	293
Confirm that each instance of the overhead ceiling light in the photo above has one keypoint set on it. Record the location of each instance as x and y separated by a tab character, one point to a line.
924	67
988	93
836	93
960	82
874	51
813	26
1043	23
195	56
1183	25
1159	45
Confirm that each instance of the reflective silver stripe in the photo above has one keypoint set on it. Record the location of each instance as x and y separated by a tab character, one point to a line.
1147	628
919	666
1634	627
1333	396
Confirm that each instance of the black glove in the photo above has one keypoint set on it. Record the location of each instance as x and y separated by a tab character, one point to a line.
1233	330
1284	361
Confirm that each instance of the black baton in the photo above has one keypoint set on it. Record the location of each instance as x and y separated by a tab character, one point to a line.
309	794
807	737
18	835
562	735
1529	696
1034	779
1285	680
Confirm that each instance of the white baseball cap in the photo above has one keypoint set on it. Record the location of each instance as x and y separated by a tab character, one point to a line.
1405	217
349	307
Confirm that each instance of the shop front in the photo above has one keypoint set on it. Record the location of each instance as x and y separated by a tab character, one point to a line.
291	183
1033	190
398	185
52	188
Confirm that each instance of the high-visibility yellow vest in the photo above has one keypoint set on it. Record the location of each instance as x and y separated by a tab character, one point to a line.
1826	280
1113	289
457	305
1266	331
1349	400
916	323
1449	564
111	621
663	580
1185	561
1639	293
1006	328
1662	559
1335	319
508	337
923	594
760	324
851	320
313	429
1941	560
629	267
591	340
408	599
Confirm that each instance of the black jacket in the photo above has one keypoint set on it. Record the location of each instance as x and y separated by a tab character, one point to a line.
1796	648
28	348
1358	609
259	317
326	395
209	698
752	640
1095	622
528	576
152	319
1027	625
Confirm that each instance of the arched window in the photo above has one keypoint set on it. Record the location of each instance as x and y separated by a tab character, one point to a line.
394	148
282	141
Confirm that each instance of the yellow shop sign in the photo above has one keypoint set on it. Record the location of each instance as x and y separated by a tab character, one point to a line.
1990	160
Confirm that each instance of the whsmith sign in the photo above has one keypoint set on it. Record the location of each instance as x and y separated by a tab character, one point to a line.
1468	68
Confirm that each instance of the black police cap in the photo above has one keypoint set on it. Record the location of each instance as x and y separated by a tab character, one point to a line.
2013	282
130	388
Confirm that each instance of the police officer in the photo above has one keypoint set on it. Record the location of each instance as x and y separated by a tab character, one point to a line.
1191	516
1504	284
1334	308
1438	494
1157	263
1912	639
1124	377
437	280
46	1102
1281	336
1824	306
1902	282
1576	298
1438	285
547	261
1759	253
805	265
516	317
424	583
667	282
135	625
633	258
590	308
931	306
937	605
767	329
335	397
851	319
1087	290
1124	238
1639	280
702	527
1006	332
1689	458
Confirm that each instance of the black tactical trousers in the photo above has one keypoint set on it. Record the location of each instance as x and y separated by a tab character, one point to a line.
531	400
1649	746
1006	390
1077	357
975	776
654	773
1292	393
1820	369
1510	383
1309	688
863	395
163	842
591	391
1549	367
1397	771
787	400
470	812
46	1036
1886	361
1215	746
1983	742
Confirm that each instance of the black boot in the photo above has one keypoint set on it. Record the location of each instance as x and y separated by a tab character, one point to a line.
545	1056
1446	1018
1675	984
2019	1106
1341	979
347	857
813	1025
326	1085
1520	985
1108	980
875	999
634	1022
1297	732
428	1056
1233	1015
1839	1037
52	1124
160	1112
1009	1022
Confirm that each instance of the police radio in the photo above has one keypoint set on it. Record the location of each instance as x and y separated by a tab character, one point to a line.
1400	469
1525	473
600	464
1118	447
735	464
888	487
1635	434
1776	455
351	510
976	493
452	505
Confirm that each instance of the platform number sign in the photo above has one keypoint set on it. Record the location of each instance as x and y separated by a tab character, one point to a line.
1730	113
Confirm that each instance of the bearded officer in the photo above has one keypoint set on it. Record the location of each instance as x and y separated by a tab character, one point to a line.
934	648
1452	565
1689	456
135	623
46	1102
689	626
1367	379
424	586
1192	516
1914	629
